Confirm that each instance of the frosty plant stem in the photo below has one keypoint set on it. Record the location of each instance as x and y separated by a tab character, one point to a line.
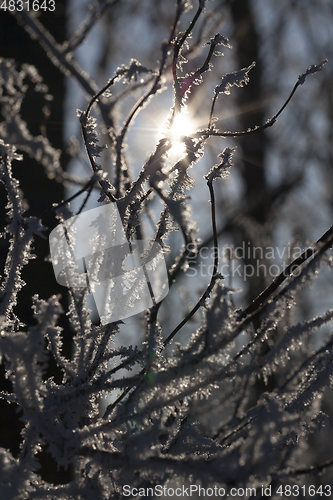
323	244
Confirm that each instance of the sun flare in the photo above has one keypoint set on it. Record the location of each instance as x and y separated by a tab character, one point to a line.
182	126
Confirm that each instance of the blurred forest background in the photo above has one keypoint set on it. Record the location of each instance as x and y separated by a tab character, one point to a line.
280	191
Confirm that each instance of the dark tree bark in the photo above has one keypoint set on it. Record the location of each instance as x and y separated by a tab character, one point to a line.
15	43
252	147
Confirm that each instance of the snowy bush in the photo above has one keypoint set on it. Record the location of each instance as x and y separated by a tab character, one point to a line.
231	406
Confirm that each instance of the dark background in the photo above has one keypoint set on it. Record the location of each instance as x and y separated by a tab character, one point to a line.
15	43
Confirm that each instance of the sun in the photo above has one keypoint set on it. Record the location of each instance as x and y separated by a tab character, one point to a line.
183	125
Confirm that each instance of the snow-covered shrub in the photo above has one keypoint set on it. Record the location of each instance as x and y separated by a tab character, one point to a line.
232	406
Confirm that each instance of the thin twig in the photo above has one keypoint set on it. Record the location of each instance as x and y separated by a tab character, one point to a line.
309	470
60	59
89	184
215	275
323	244
81	34
119	140
178	46
210	132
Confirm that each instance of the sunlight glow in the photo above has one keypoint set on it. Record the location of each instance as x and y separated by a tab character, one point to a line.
183	125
